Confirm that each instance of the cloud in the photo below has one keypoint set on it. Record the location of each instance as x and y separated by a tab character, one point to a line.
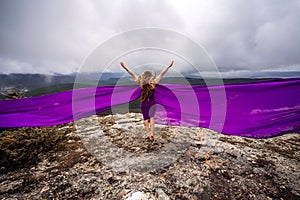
248	35
14	66
56	36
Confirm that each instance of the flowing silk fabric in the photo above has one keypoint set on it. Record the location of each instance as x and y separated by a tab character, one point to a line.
259	109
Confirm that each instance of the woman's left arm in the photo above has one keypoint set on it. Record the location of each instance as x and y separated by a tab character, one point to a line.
156	81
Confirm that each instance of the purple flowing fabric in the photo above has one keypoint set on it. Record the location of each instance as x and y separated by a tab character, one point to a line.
259	109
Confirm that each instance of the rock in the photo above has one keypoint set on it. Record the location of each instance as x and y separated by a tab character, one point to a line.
8	186
44	189
182	163
137	195
123	193
161	195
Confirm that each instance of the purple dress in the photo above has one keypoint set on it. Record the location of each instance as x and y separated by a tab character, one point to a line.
148	106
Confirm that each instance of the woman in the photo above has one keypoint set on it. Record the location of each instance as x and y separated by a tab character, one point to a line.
147	82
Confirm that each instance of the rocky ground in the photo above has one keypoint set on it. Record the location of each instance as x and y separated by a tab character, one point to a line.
110	158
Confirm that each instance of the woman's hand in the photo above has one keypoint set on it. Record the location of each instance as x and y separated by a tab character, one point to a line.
122	64
171	64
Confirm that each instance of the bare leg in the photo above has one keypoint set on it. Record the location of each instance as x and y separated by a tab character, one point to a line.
146	125
152	126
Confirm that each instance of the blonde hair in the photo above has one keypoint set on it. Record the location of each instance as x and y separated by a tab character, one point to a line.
144	81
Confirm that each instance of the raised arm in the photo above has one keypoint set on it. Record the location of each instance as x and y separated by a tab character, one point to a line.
135	78
156	81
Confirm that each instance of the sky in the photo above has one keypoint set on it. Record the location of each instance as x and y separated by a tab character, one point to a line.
240	36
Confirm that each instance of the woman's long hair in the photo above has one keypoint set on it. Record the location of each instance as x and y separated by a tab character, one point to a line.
144	80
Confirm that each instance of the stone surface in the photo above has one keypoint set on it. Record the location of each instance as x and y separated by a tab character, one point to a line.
101	159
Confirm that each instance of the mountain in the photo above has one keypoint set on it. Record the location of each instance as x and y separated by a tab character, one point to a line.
31	81
39	84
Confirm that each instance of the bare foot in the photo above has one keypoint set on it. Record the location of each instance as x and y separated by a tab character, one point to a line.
151	138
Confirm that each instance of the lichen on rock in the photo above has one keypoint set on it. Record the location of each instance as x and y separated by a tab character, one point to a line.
227	168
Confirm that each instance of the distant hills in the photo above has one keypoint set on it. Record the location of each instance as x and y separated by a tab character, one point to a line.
39	84
32	81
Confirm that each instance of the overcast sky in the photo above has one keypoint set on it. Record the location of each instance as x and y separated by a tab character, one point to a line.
56	36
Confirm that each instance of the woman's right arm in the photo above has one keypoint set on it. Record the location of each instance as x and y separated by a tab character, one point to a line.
135	78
